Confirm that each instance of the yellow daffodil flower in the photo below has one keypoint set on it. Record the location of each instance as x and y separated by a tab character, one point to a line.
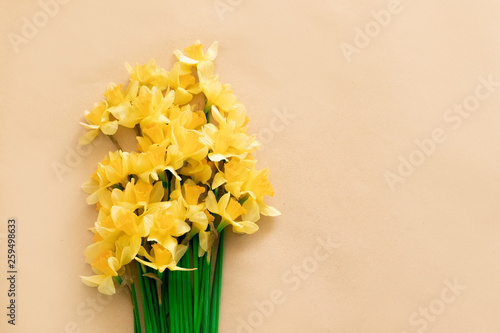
216	93
189	196
149	74
167	224
106	267
234	175
187	147
129	223
183	83
149	106
127	248
139	195
113	169
156	159
194	54
199	171
154	133
257	186
205	235
117	168
95	249
115	95
162	258
106	228
229	210
94	188
98	119
225	141
186	117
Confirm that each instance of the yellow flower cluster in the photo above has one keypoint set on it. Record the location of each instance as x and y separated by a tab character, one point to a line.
192	174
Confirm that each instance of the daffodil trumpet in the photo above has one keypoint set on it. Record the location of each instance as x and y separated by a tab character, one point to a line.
162	209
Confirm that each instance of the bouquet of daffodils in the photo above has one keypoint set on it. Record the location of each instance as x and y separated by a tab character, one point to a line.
163	208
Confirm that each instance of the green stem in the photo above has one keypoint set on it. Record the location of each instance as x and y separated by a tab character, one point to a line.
164	181
137	320
217	285
206	110
153	313
179	302
201	285
161	311
196	286
113	139
145	308
164	298
183	298
173	309
206	301
187	292
154	300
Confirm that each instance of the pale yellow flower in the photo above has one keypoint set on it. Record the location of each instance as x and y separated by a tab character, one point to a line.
149	106
155	160
94	188
113	169
238	115
257	186
166	224
106	228
182	82
196	212
162	258
95	249
127	248
234	175
199	171
116	169
216	93
187	146
204	236
139	195
194	54
115	95
189	197
129	223
154	133
186	117
226	140
122	231
229	210
257	183
148	74
98	119
106	267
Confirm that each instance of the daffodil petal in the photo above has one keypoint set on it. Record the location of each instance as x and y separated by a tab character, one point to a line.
110	128
216	157
93	281
87	137
211	202
252	209
218	180
212	51
245	227
268	210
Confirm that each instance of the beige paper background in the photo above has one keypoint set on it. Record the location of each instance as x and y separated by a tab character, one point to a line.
351	122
